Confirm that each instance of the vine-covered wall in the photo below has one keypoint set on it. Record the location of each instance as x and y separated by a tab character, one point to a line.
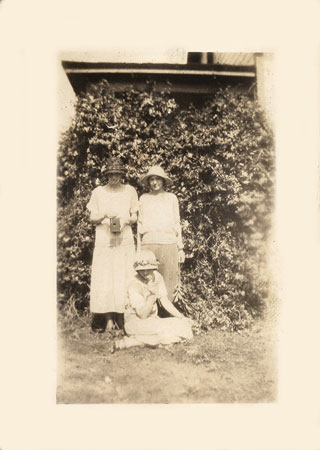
220	157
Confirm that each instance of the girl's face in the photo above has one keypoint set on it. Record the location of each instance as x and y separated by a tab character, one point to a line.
114	178
147	274
156	183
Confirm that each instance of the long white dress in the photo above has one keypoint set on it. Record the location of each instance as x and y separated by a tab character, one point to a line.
114	253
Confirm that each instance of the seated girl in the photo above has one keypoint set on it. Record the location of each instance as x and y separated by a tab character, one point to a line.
142	324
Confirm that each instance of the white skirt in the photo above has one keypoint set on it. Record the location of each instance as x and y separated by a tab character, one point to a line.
155	331
112	269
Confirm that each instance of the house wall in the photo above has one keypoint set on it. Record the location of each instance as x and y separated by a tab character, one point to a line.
265	82
167	56
66	100
67	96
234	59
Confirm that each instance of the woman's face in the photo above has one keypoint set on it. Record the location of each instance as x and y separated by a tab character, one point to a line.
146	274
114	178
156	183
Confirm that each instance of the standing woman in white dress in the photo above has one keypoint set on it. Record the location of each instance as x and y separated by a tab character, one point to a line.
159	228
113	209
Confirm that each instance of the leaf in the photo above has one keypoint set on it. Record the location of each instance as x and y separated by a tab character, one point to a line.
220	156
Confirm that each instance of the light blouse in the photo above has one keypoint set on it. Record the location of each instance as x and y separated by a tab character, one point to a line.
159	219
122	202
138	292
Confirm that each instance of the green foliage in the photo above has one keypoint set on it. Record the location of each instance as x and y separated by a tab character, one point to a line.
220	157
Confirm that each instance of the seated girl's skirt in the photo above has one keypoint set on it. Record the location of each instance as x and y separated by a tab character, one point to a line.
155	331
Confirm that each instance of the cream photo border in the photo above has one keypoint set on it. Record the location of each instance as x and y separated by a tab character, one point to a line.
32	36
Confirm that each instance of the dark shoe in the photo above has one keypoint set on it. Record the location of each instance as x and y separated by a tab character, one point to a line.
99	322
117	345
97	330
118	319
113	348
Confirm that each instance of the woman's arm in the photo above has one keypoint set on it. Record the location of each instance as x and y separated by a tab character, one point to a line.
96	218
168	306
139	226
127	221
163	298
176	213
144	311
133	218
173	310
134	206
138	236
96	215
140	302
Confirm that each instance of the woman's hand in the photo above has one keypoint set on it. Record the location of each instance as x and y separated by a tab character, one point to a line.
144	311
151	288
130	220
108	216
182	256
188	319
97	219
124	221
105	219
183	317
133	218
152	298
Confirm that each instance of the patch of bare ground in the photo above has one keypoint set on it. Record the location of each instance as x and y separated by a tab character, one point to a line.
215	367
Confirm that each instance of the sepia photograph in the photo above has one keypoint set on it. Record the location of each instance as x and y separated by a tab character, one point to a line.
165	185
160	243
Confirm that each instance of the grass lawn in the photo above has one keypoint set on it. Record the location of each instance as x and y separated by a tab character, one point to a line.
216	366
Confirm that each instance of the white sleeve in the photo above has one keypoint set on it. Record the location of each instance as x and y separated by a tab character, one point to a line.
93	205
161	287
134	204
136	299
140	216
177	224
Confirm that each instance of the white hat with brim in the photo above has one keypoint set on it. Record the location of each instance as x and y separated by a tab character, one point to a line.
146	267
146	260
154	171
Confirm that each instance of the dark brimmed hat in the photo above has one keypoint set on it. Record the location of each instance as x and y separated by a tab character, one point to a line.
115	165
155	171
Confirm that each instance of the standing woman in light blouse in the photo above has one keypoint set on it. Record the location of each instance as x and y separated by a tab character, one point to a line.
159	228
113	209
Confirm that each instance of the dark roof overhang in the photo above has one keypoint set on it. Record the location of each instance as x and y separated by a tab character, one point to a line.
183	78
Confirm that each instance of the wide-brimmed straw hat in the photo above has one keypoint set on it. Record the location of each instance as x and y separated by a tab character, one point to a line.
145	260
115	165
154	171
